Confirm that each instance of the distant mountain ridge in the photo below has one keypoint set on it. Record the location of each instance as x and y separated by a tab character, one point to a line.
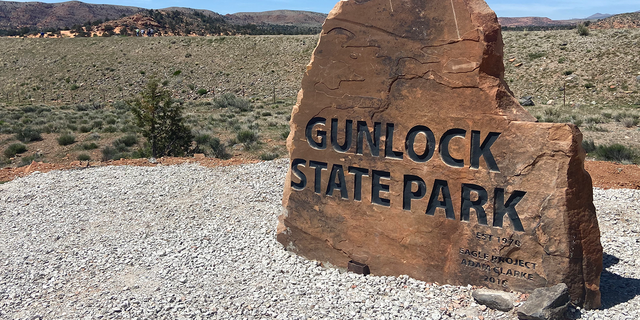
46	16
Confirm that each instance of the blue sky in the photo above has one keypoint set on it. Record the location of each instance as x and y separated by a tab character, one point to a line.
554	9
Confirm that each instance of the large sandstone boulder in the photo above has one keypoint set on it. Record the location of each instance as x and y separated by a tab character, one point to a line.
410	154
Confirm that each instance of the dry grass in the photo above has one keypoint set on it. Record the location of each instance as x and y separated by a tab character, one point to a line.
79	85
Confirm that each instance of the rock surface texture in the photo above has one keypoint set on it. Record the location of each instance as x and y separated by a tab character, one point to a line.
546	304
494	299
410	154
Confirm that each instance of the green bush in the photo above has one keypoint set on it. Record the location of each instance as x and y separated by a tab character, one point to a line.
110	129
90	146
616	153
218	149
202	139
84	157
13	149
589	146
229	100
28	134
66	139
85	129
202	92
128	140
246	137
268	156
582	30
108	153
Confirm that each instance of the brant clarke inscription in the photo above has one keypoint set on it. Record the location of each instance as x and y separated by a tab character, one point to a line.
409	155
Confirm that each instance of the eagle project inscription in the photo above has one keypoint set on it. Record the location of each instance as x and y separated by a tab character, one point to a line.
409	154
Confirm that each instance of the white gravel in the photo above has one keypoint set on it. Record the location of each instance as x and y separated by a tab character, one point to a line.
187	242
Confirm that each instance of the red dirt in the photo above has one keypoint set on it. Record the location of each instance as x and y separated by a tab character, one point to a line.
606	175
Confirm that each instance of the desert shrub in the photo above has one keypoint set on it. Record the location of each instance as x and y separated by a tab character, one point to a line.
13	149
588	146
161	121
29	109
568	72
177	73
120	105
617	153
595	128
27	160
110	129
629	122
202	139
536	55
85	129
266	114
247	137
284	135
28	134
66	139
84	157
202	92
128	140
589	85
89	146
218	149
97	124
582	30
229	100
268	156
108	153
72	127
111	121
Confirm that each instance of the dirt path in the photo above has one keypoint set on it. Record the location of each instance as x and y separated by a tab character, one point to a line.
606	175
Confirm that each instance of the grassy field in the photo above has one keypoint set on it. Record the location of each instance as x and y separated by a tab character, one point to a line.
79	88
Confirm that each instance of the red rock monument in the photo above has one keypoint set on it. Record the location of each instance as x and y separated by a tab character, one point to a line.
410	154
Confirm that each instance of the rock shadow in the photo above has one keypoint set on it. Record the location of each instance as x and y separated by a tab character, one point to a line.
616	289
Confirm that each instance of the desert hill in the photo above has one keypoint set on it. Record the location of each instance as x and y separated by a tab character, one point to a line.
31	18
57	15
619	21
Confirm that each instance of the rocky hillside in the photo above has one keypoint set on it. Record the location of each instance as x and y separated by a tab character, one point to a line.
619	21
530	21
278	17
57	15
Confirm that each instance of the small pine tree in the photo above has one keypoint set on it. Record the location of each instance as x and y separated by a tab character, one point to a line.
161	121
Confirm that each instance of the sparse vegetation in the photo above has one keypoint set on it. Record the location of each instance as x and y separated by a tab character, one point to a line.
66	139
582	29
583	73
161	121
14	149
616	153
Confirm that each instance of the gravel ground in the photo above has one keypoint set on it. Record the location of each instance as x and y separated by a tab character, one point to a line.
187	242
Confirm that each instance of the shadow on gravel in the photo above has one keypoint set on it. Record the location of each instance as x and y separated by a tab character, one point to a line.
616	289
